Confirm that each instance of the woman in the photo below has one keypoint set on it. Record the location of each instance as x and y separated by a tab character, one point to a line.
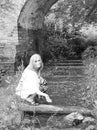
29	84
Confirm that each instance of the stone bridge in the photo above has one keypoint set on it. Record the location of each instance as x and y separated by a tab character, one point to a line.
21	23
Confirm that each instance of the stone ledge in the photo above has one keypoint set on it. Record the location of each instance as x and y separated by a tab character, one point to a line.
6	68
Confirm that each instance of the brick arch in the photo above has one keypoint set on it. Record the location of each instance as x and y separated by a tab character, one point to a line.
30	25
30	21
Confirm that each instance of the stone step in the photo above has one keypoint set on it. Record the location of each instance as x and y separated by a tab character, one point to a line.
7	63
67	76
61	79
61	74
66	62
68	70
68	67
64	68
63	83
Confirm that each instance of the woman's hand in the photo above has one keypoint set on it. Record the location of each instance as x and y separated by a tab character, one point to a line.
48	99
45	95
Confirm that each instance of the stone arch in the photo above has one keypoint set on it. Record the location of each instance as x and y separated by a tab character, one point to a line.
30	25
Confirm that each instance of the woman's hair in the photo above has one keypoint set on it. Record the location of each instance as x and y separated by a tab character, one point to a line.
32	58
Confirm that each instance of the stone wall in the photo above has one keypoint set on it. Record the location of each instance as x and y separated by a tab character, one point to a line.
9	12
7	54
6	68
30	21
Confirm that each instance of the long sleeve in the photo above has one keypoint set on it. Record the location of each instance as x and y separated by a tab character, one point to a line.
28	84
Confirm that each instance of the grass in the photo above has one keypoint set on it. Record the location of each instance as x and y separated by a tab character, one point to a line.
91	71
10	115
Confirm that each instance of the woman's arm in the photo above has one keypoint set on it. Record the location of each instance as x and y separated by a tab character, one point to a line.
45	95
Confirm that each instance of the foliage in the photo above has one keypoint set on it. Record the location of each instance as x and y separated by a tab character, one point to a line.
89	31
56	45
10	115
90	61
67	19
90	54
61	44
73	12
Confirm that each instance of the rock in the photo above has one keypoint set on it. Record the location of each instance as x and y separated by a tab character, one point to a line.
74	115
76	122
88	119
95	104
74	119
26	121
90	127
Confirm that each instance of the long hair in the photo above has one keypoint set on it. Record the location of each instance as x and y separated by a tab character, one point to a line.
32	58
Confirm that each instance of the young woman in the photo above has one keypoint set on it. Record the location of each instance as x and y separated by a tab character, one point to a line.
30	82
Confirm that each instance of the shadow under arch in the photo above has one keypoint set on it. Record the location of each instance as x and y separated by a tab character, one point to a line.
30	27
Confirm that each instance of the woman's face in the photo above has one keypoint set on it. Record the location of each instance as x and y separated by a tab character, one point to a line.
37	63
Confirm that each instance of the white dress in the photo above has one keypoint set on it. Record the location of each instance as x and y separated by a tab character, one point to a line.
28	84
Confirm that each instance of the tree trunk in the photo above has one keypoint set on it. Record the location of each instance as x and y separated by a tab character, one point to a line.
51	109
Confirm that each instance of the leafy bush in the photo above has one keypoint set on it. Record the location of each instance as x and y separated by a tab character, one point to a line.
90	54
56	48
10	116
91	72
60	45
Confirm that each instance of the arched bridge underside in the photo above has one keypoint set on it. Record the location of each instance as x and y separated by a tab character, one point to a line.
30	25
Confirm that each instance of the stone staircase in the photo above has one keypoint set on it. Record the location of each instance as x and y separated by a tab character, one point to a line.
68	69
66	82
